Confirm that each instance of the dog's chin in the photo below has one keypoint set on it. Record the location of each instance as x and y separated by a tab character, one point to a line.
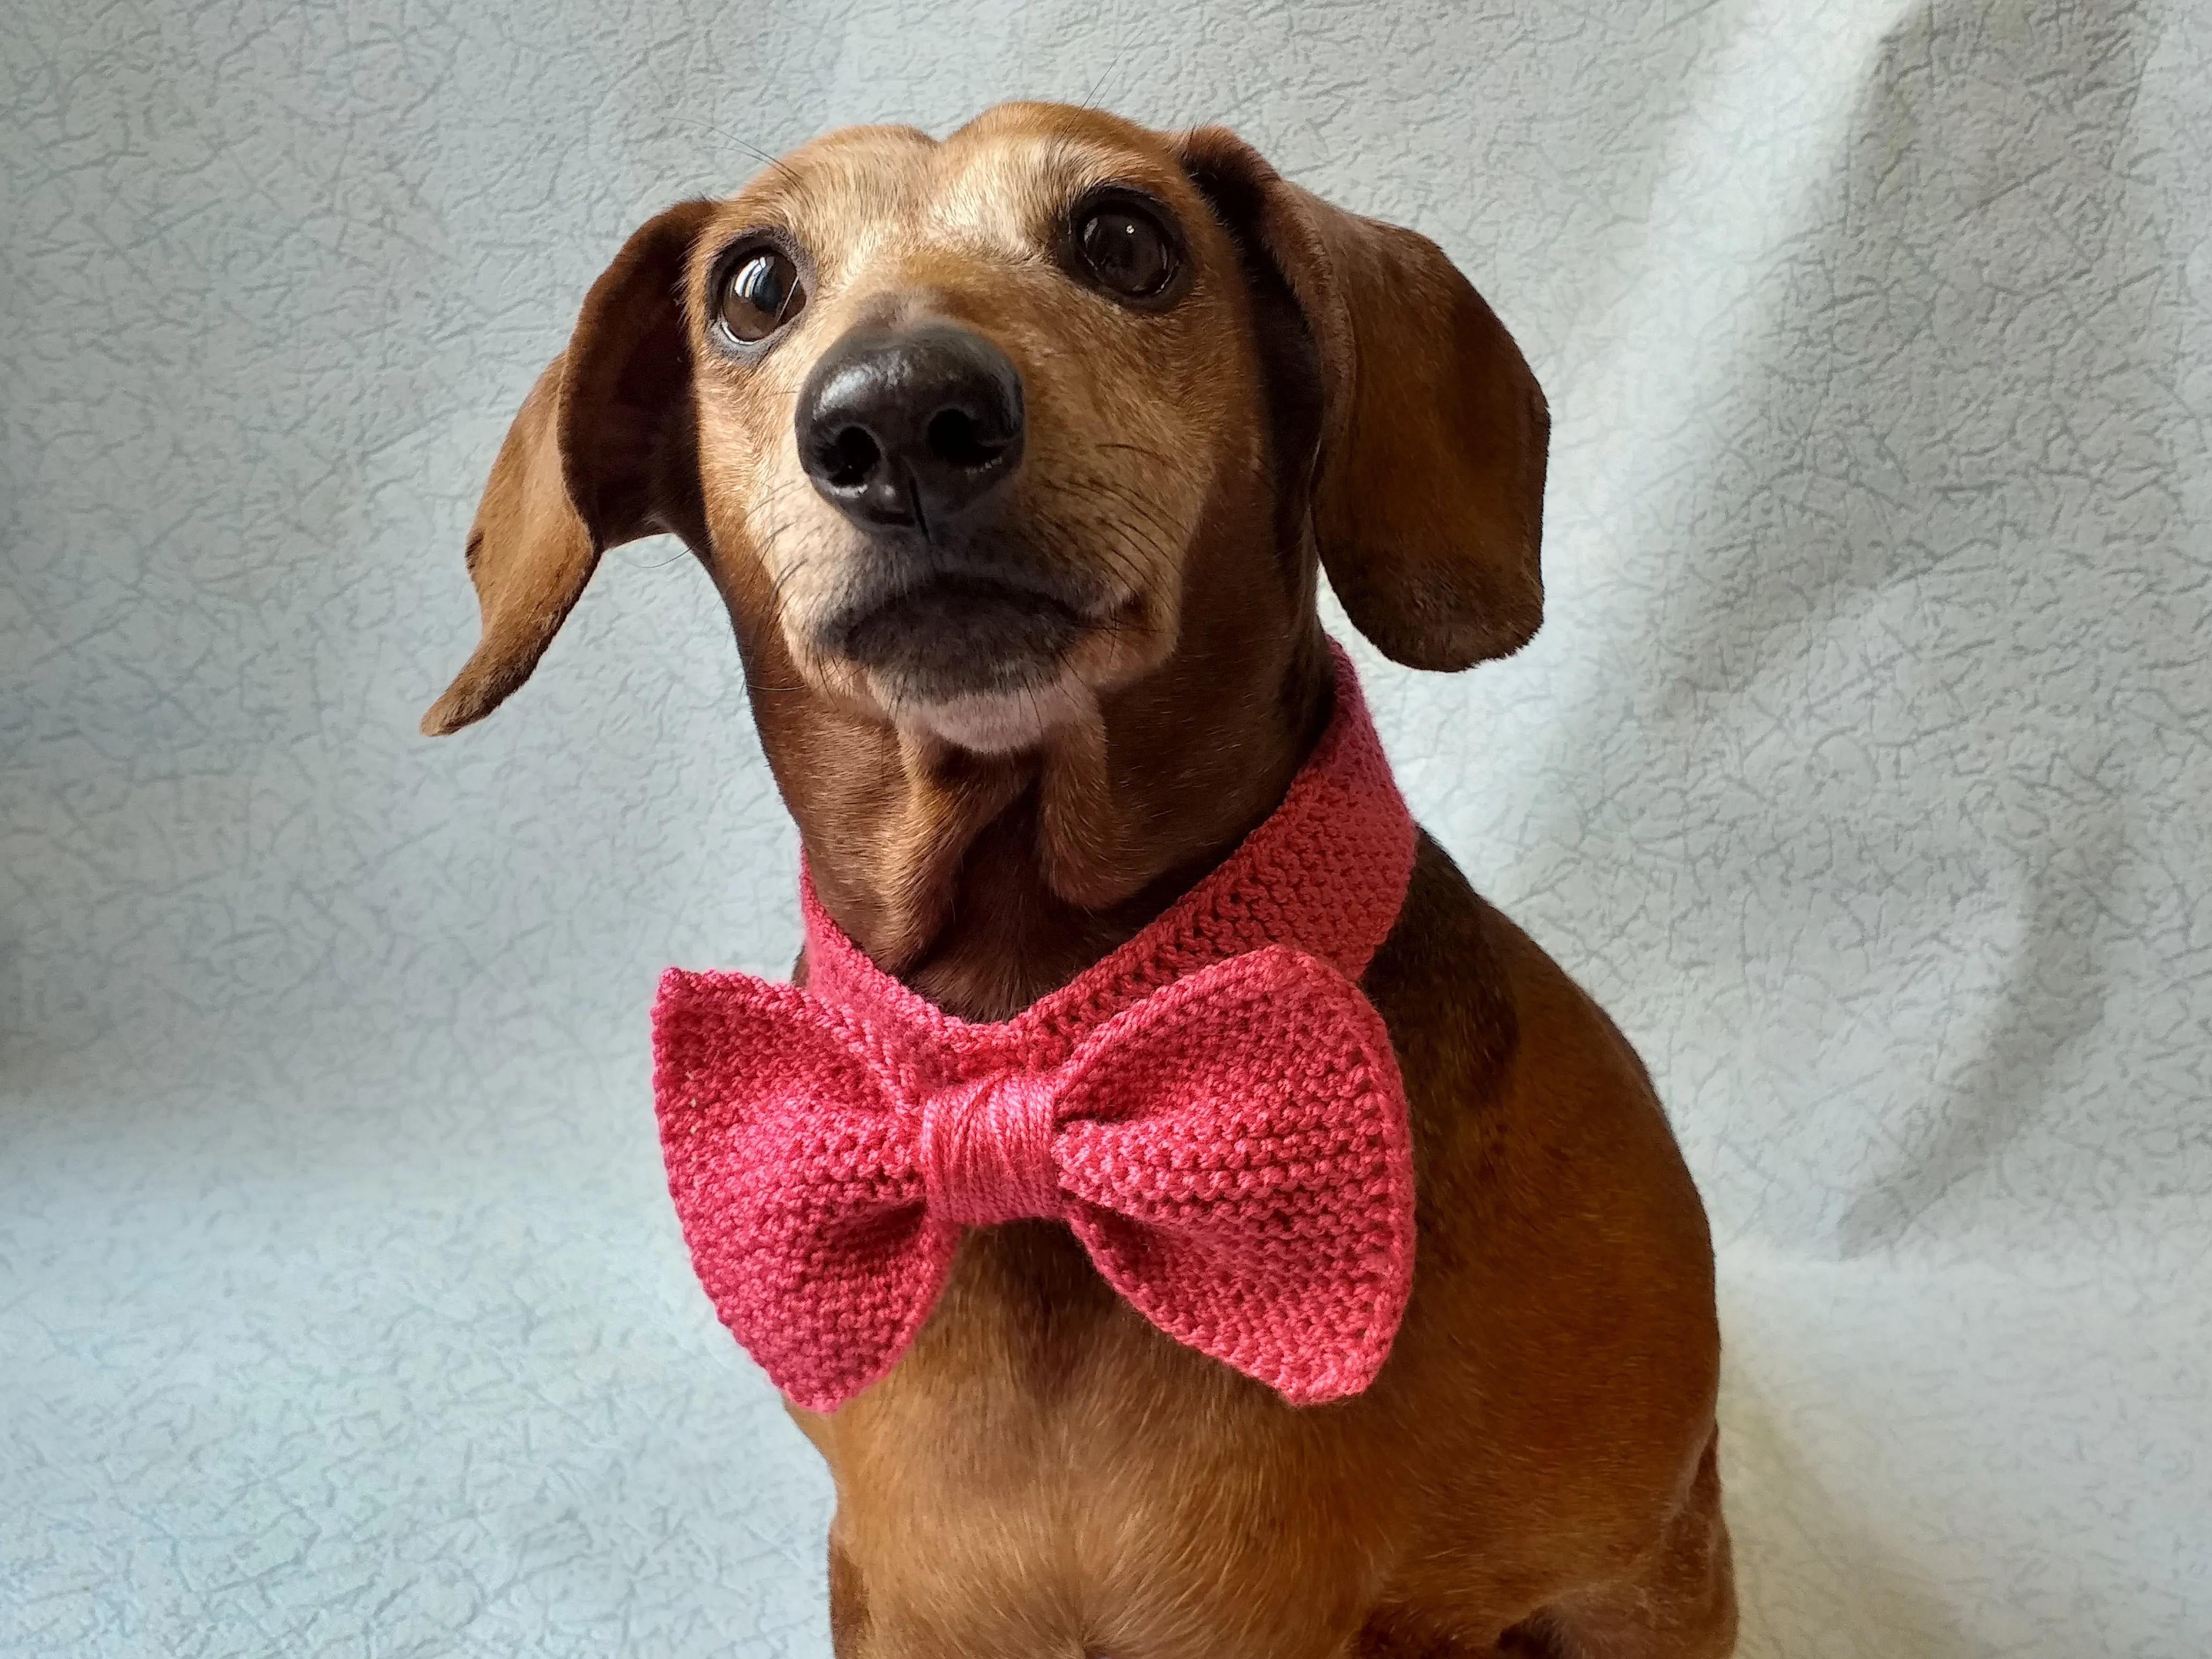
978	663
1001	722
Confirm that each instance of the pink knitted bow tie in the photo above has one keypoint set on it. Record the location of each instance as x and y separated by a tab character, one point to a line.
1214	1109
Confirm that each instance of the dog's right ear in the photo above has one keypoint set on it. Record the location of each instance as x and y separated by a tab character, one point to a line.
603	451
1428	500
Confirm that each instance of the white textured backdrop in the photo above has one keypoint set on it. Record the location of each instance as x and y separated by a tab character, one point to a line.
1863	770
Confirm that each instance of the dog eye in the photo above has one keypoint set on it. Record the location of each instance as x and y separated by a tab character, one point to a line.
1127	250
762	294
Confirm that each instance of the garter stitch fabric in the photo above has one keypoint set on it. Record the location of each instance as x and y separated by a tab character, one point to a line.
1213	1109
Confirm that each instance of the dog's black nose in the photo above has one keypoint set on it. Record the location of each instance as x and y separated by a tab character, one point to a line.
910	426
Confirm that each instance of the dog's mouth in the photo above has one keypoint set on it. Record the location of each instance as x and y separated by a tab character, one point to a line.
958	637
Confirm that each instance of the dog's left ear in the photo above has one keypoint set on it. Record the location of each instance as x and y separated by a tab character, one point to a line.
1428	493
603	451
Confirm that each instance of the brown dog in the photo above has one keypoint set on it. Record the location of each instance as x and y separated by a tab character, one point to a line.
1013	456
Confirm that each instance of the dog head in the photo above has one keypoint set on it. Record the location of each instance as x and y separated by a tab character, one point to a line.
977	434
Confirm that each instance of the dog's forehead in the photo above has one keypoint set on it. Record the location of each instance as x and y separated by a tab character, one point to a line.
997	186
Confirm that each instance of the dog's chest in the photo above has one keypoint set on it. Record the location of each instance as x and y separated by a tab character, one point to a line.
1045	1473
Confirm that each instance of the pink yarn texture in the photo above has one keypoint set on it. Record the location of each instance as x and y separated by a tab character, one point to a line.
1214	1109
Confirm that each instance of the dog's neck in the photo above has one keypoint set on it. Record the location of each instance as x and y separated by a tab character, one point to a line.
984	882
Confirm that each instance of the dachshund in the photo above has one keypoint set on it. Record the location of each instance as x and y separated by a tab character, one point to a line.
1015	457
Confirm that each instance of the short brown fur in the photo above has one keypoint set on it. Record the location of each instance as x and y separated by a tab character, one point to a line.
1044	1473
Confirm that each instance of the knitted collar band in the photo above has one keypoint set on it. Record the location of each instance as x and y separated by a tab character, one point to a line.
1325	874
1214	1110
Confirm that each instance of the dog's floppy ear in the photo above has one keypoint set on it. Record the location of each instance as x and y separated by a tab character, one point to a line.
602	452
1428	491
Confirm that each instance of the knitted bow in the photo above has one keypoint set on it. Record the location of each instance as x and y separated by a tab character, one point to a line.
1231	1150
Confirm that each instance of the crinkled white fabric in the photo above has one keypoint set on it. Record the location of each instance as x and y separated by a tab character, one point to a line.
1862	770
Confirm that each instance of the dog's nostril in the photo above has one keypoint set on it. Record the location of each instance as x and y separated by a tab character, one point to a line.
850	458
958	437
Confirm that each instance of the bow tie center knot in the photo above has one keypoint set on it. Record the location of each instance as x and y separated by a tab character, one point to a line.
985	1150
